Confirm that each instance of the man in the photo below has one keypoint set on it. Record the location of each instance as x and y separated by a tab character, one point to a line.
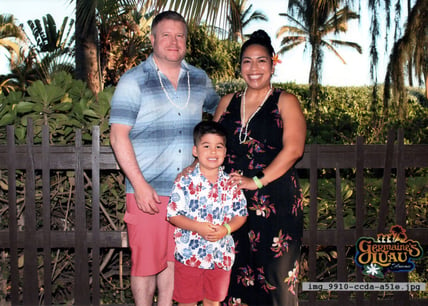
154	110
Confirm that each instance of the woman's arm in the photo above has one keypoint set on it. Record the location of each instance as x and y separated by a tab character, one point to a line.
293	138
222	106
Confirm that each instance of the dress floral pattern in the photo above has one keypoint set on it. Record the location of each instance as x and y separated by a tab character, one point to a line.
196	198
268	245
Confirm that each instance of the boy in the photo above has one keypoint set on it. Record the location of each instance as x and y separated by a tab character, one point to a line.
205	207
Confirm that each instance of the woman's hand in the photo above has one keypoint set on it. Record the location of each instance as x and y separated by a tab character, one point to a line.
185	171
243	182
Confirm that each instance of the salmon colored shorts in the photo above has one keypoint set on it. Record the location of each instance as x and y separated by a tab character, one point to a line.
151	238
192	284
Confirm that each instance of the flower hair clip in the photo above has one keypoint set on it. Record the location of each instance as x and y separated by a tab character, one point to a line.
276	60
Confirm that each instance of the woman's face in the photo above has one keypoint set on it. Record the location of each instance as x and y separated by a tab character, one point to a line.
256	67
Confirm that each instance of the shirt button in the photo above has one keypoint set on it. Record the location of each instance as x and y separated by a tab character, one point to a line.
179	114
179	151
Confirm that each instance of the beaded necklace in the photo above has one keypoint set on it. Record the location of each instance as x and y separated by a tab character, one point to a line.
166	93
244	128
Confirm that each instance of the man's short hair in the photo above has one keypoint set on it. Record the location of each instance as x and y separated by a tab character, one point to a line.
167	15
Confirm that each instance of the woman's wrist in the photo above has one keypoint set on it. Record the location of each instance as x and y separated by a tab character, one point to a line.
257	181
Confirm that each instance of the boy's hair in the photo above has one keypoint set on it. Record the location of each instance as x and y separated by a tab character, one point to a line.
167	15
207	127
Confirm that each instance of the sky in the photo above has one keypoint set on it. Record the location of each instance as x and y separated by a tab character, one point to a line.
295	63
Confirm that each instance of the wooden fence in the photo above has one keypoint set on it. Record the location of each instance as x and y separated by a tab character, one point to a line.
33	239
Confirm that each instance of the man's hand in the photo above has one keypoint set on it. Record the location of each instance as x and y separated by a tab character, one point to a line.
147	199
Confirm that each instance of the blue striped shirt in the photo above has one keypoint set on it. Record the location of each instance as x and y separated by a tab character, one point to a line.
161	134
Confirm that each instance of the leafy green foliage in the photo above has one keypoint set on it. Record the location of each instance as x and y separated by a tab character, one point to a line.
66	104
217	57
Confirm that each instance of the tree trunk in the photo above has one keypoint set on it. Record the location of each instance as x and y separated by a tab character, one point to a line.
426	85
87	53
314	75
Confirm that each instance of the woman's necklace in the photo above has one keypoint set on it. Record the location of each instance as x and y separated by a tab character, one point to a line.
243	132
166	93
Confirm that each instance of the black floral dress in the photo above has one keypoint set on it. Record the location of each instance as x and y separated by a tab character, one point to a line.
268	245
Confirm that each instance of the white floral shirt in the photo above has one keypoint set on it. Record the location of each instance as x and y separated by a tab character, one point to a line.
196	198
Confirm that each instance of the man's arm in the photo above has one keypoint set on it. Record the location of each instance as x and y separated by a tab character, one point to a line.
146	197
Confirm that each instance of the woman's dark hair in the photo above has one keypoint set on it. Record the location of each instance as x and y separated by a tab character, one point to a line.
261	38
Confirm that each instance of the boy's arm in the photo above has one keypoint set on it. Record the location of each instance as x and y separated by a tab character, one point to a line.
202	228
236	222
221	230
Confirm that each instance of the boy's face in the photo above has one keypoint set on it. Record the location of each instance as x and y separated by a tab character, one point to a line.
210	151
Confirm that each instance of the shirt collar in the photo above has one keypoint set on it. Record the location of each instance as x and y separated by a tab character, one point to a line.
197	171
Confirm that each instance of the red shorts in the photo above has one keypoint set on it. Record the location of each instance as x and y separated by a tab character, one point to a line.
192	285
151	238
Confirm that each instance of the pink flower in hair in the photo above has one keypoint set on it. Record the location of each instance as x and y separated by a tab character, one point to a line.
276	60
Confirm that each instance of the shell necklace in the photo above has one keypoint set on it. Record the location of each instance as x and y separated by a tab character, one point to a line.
243	132
166	93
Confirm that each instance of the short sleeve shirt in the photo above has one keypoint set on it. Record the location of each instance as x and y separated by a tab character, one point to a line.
194	197
162	130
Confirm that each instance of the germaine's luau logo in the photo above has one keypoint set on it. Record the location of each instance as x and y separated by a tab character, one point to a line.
392	252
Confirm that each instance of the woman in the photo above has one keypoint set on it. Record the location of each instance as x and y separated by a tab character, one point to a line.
266	136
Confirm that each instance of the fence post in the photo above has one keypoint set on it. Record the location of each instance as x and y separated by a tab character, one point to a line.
313	219
13	222
402	298
340	239
46	191
30	286
383	207
359	206
81	286
96	215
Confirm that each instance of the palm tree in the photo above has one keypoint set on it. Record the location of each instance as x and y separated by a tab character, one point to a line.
237	25
124	39
52	48
88	65
87	52
410	49
11	39
313	21
10	35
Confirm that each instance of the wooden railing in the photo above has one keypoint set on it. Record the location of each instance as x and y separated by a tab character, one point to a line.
36	241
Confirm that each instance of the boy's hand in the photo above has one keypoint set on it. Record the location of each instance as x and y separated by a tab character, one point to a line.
205	229
219	232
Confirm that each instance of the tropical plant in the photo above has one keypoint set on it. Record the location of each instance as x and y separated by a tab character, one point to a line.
410	50
124	38
238	9
312	22
88	65
11	38
219	58
10	35
64	105
23	72
52	48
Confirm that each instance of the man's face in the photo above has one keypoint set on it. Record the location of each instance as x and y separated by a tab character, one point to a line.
169	41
